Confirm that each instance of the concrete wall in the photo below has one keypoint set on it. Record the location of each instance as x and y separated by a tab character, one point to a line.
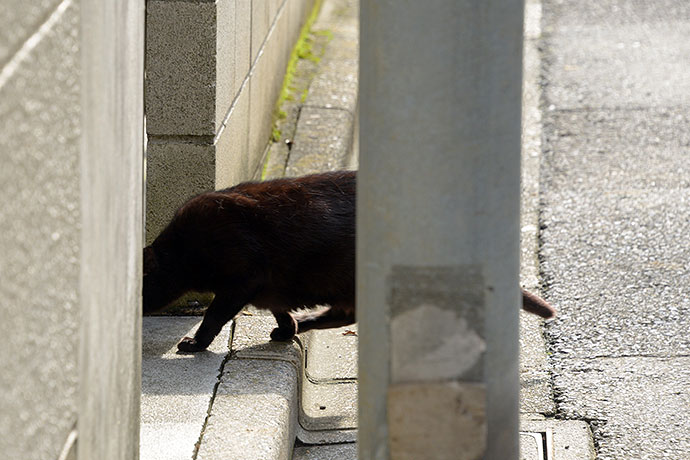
39	225
213	74
71	150
112	164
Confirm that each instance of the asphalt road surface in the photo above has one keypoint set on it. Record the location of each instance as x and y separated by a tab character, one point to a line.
615	222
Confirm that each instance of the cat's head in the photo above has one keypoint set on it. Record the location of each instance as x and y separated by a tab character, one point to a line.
161	283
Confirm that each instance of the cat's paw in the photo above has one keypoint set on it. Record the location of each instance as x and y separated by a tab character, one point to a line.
282	334
190	345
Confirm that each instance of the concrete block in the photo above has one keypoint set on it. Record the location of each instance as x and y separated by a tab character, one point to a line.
336	85
296	17
40	230
564	439
329	388
333	452
232	165
536	393
328	411
227	80
260	24
532	346
329	407
175	172
273	7
259	117
243	39
285	44
190	66
252	341
323	141
322	437
331	354
254	412
266	80
176	388
339	16
531	447
180	67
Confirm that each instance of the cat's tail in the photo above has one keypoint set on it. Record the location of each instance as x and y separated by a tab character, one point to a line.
535	304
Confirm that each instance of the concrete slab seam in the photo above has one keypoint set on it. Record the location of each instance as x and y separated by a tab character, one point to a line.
156	139
197	445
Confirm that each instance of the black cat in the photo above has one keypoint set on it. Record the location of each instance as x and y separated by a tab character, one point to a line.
281	245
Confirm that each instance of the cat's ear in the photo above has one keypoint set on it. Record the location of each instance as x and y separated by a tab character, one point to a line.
150	260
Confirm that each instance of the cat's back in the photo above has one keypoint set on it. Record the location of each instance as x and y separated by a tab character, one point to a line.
333	185
324	200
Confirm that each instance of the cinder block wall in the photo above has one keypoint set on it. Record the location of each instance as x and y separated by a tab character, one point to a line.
39	225
214	70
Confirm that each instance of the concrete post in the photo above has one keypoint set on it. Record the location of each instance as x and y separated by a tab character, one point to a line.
438	229
112	48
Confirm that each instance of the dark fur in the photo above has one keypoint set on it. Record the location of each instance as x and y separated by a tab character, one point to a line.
280	245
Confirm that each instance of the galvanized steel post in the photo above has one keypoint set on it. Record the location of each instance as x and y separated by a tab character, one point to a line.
438	228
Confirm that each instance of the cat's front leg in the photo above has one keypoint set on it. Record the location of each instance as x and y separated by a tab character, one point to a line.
223	308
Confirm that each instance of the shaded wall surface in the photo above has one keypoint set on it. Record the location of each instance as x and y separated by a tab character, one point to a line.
39	225
214	71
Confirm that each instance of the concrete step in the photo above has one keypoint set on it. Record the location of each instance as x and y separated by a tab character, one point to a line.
238	399
177	389
328	409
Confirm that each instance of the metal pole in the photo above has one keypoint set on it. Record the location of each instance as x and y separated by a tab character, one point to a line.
438	228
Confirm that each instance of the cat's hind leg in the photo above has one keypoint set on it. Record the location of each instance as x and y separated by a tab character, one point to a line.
287	327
